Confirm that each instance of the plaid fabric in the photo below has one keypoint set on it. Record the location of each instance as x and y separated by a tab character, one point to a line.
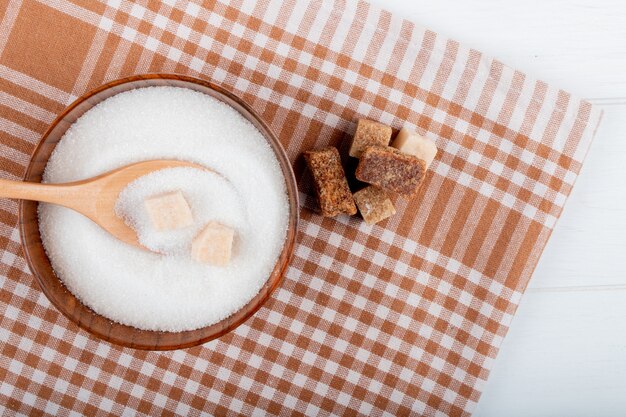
403	318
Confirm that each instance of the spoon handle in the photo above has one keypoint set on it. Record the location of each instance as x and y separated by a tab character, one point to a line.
48	193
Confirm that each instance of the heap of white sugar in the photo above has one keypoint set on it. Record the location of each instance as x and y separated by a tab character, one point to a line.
209	195
167	292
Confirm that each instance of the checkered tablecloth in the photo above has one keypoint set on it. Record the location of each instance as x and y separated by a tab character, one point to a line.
403	318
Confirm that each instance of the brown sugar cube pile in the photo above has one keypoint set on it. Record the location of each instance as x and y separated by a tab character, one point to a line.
374	204
391	170
369	133
398	168
331	185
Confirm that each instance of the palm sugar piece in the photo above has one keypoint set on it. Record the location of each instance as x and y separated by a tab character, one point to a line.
412	143
374	204
391	170
369	133
331	185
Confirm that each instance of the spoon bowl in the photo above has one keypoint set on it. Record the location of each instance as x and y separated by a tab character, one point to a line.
95	197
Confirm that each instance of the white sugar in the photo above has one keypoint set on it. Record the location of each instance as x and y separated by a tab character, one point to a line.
209	195
247	192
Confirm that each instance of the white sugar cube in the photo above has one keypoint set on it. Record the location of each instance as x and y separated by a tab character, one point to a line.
213	245
411	143
169	211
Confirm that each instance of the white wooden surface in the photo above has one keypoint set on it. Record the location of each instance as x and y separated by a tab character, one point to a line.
565	354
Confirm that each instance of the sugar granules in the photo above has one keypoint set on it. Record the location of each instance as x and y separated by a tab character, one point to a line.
210	196
144	289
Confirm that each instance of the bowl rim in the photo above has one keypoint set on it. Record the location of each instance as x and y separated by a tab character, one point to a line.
282	262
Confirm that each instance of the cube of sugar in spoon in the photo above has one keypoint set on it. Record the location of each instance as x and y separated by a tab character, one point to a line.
213	245
374	204
369	133
169	211
414	144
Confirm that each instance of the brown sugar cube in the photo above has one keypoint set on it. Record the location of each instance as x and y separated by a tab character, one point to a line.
168	211
374	204
391	170
213	245
369	133
411	143
331	185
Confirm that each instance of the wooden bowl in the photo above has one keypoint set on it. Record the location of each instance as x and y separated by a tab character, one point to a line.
82	315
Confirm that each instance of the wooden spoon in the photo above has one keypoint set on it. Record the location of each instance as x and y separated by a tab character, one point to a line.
95	197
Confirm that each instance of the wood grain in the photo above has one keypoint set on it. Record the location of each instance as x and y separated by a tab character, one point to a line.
66	302
578	45
564	356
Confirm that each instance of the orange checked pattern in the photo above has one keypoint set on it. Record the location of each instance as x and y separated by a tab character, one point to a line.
402	318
